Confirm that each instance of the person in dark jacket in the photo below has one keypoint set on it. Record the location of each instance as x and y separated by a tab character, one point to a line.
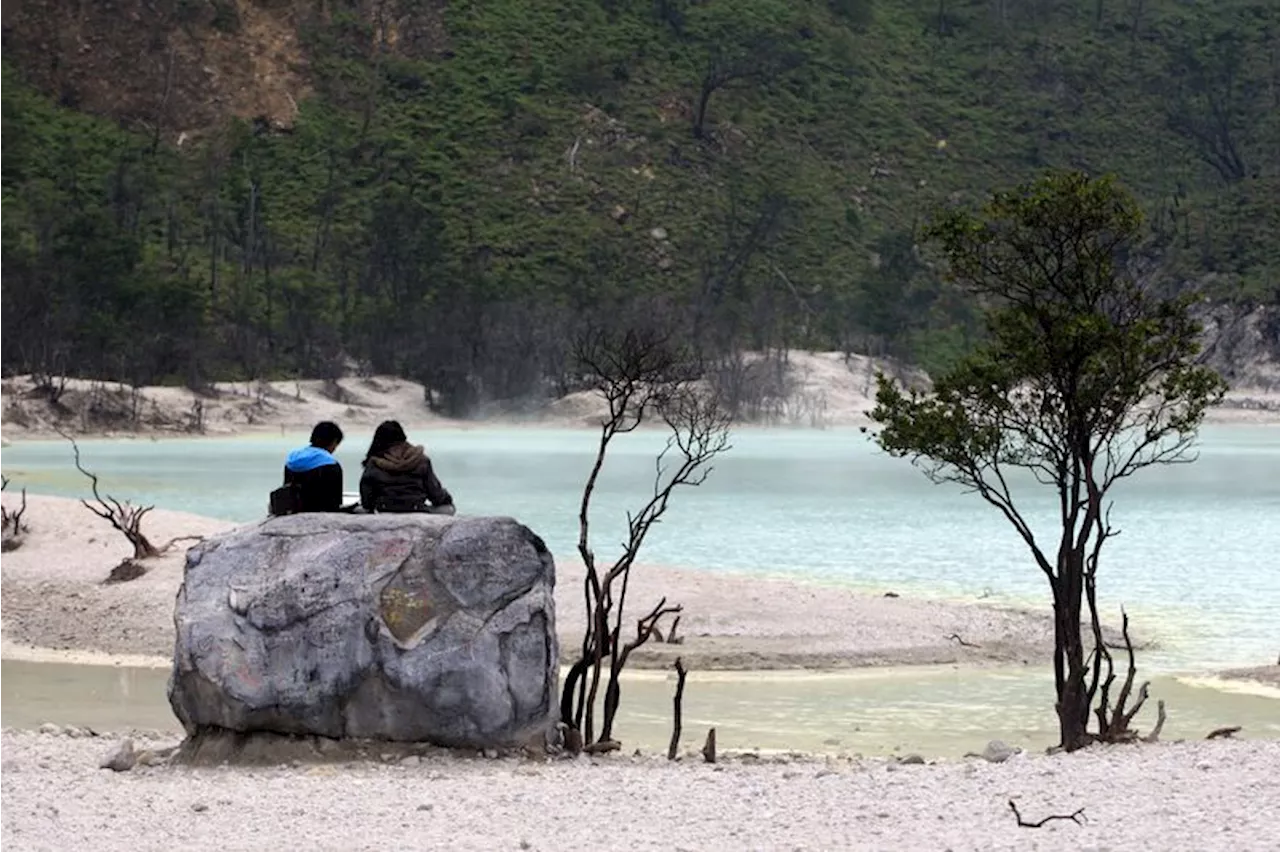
398	476
315	472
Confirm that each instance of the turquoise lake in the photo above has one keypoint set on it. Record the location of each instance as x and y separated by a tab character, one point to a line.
1197	564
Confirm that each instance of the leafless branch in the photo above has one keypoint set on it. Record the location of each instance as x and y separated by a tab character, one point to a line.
125	517
1115	726
1154	736
168	545
677	709
963	644
644	378
11	523
1076	816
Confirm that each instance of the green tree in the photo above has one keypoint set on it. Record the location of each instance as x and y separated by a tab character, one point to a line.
1084	379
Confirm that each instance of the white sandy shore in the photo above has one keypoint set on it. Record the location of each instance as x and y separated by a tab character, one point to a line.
1201	796
825	389
54	603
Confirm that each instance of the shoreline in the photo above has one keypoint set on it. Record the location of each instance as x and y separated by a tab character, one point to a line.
827	390
56	606
57	609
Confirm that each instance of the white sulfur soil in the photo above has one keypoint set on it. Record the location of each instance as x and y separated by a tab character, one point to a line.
1201	796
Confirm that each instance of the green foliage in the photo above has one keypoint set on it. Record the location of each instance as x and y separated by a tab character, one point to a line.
438	193
1085	377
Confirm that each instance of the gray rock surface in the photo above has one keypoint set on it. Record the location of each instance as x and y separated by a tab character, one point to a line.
400	627
121	758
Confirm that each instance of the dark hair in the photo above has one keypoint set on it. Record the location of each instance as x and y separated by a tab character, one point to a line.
387	435
326	434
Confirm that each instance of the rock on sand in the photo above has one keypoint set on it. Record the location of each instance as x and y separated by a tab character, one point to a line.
396	627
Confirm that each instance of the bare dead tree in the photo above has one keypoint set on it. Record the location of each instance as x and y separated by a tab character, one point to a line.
125	517
644	378
677	709
1114	723
1076	816
11	522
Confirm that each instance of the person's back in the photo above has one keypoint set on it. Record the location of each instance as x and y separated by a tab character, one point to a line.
398	476
314	471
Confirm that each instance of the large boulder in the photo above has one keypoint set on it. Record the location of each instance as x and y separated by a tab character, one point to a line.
398	627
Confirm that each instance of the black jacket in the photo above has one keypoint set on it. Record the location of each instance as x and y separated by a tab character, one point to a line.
401	481
319	485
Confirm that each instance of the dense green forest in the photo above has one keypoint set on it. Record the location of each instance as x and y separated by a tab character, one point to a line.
465	181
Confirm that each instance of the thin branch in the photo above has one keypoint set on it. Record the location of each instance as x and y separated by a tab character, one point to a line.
1076	816
1154	736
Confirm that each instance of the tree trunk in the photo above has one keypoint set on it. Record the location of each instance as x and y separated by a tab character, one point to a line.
1073	697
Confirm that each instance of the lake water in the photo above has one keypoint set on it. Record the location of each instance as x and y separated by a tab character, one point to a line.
1196	567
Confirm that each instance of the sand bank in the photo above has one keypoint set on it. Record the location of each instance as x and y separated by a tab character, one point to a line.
1199	796
55	603
820	390
1265	675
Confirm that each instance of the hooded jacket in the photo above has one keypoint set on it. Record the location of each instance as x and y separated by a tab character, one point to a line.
318	476
402	480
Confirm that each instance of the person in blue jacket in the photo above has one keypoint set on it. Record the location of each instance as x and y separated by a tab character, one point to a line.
314	471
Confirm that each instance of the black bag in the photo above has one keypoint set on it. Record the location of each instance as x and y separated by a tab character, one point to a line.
285	500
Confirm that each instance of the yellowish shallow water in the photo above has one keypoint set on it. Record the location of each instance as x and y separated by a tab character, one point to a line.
936	711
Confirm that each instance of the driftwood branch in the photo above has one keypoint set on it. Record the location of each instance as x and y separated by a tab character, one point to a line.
677	709
168	545
1076	816
1224	733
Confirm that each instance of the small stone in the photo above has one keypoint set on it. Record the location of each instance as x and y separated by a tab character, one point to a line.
823	773
789	775
911	760
524	844
410	760
50	728
658	233
121	758
491	753
199	807
426	807
997	751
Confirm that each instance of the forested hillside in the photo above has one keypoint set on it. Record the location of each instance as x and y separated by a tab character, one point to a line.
206	189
